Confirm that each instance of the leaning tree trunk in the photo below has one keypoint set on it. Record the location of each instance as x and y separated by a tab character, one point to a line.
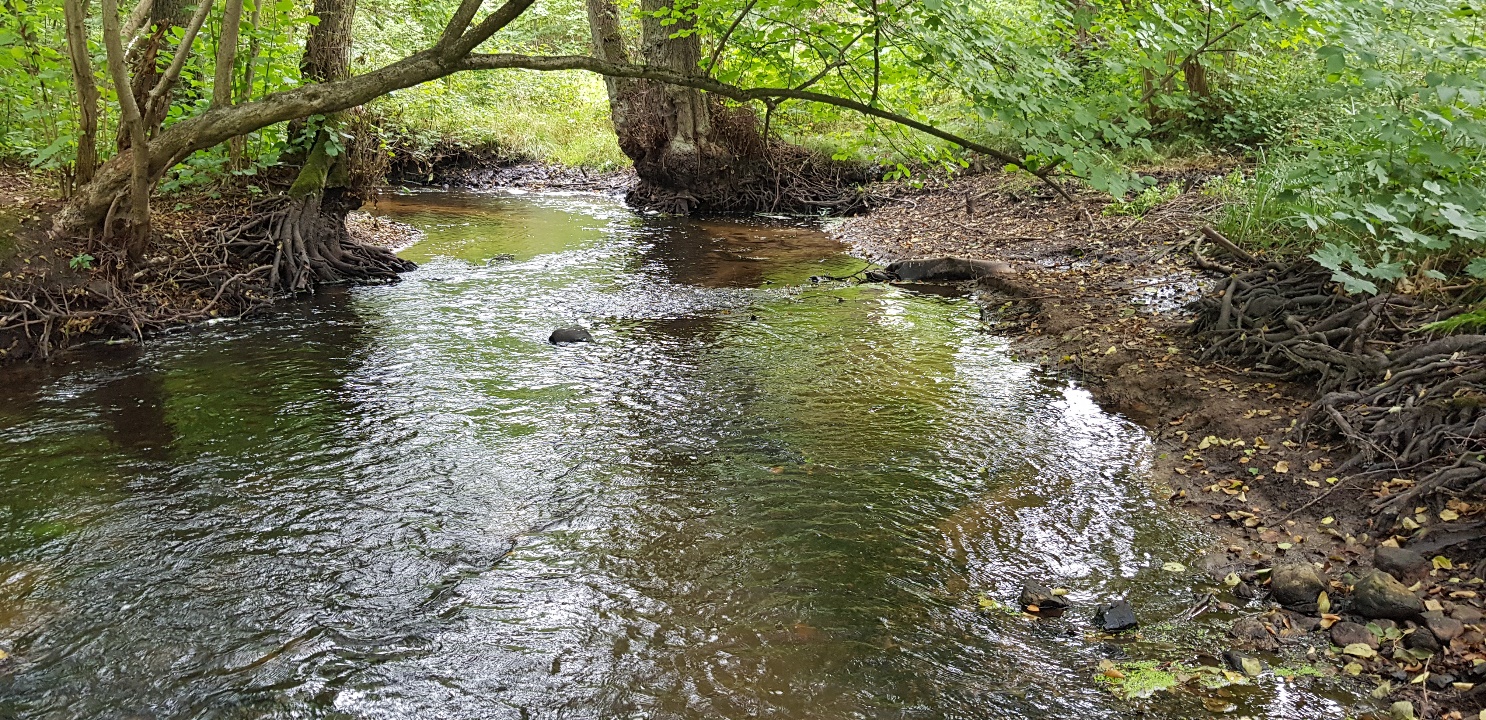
691	152
304	238
76	12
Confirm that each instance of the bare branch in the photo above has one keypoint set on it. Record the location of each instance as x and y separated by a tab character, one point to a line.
723	41
137	16
232	16
458	23
641	72
501	17
182	53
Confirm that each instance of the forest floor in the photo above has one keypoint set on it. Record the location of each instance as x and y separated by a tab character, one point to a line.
1105	297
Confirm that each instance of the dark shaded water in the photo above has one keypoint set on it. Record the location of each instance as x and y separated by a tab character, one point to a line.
751	497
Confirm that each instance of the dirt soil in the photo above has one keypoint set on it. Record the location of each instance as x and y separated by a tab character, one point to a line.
1104	296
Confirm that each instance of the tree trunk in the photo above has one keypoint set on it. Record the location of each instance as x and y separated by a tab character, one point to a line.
163	15
232	16
305	239
692	153
76	12
238	144
132	124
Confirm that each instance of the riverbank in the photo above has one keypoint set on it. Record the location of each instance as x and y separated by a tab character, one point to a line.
1102	291
59	293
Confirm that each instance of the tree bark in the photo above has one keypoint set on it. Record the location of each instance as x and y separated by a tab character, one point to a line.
690	151
76	13
89	206
139	153
232	14
160	16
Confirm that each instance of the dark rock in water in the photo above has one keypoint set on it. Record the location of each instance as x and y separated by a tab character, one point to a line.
1421	639
943	269
1240	662
1253	632
1296	585
1350	633
570	335
1302	622
1444	628
1378	595
1404	565
1038	596
1218	565
1115	617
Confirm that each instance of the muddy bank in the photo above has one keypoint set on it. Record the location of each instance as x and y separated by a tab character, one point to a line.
1105	297
57	293
453	166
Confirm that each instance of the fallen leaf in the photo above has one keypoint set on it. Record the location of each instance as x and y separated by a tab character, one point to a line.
1315	467
1433	605
1440	562
1463	594
1327	520
1362	650
1175	567
1449	515
1323	603
1284	546
1355	669
1420	678
1328	620
1282	466
1232	580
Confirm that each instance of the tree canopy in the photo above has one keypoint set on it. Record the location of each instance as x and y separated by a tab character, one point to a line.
1361	120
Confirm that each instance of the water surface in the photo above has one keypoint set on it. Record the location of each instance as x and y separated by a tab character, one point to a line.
752	496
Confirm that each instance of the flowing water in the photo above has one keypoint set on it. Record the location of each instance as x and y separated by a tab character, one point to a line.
751	496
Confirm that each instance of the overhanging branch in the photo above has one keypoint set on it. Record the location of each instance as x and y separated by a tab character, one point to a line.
641	72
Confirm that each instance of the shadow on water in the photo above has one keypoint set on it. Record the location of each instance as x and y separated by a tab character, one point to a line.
751	496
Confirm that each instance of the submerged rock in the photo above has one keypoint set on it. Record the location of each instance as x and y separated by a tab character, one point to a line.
570	335
1378	595
1404	565
1240	662
941	269
1038	596
1296	585
1253	632
1115	617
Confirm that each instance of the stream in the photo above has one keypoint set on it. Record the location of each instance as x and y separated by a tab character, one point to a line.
751	496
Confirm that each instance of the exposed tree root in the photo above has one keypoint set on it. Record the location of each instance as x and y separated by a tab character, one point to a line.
1406	403
737	169
183	282
224	267
304	243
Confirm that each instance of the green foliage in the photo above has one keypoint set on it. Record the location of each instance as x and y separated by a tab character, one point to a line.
1474	320
1145	201
1364	118
82	261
